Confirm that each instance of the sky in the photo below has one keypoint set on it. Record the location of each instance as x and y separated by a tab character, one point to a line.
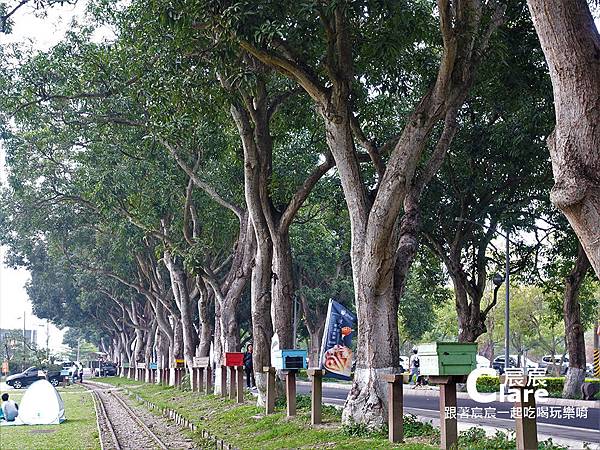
43	32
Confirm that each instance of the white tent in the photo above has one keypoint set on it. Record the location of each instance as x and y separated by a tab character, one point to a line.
41	405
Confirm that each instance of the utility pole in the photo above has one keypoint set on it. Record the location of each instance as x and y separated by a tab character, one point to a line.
507	305
597	348
48	340
24	344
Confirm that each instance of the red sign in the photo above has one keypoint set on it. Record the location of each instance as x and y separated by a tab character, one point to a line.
234	359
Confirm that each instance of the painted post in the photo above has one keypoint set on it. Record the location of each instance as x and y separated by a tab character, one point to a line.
240	384
209	387
270	403
316	395
223	381
290	391
232	383
395	407
448	424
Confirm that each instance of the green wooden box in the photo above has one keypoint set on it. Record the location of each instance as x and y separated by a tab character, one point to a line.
447	358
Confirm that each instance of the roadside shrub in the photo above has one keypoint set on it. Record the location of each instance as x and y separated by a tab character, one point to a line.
413	427
488	384
361	430
554	385
475	438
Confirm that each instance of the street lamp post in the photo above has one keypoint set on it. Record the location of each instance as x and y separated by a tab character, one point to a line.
507	305
497	282
24	345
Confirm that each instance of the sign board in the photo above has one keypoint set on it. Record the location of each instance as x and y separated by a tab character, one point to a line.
336	352
125	365
5	367
234	359
179	363
201	361
153	365
140	365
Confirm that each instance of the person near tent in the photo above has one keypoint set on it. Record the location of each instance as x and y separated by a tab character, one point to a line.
81	373
10	410
249	367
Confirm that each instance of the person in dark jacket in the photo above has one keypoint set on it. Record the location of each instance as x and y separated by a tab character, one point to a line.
249	367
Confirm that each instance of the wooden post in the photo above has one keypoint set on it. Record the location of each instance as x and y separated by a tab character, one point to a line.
448	424
316	395
232	383
240	384
525	417
194	380
223	381
209	388
200	379
270	403
290	391
395	407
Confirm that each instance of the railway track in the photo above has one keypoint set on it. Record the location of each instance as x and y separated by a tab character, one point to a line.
119	426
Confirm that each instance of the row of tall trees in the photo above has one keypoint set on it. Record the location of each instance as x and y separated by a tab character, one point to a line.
186	181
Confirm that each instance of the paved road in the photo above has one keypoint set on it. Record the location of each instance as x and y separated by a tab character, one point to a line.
581	429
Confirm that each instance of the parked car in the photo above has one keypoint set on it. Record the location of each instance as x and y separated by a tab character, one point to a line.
498	363
482	362
524	361
25	378
589	369
550	361
106	369
55	377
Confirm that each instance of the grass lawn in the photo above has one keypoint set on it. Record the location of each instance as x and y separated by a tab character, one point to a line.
246	427
79	431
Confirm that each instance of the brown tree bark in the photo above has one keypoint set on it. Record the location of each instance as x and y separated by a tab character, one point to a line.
378	237
571	44
574	332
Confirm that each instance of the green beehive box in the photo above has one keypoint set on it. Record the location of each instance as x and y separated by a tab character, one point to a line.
447	358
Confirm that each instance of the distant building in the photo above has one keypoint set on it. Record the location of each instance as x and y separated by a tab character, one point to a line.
30	335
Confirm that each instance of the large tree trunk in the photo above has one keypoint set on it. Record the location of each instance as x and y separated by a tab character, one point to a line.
179	284
206	324
374	228
574	331
571	44
257	169
283	289
314	317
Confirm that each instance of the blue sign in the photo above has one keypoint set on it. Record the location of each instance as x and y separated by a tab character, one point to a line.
153	365
336	353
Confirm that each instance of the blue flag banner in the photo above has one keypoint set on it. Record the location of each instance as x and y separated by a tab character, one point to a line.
336	353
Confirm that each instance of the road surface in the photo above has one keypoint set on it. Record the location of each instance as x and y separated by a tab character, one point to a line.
576	428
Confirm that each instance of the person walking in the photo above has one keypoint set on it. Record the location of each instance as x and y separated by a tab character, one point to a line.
10	410
414	364
249	367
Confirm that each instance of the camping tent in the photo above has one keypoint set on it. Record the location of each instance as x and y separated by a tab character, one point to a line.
41	405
